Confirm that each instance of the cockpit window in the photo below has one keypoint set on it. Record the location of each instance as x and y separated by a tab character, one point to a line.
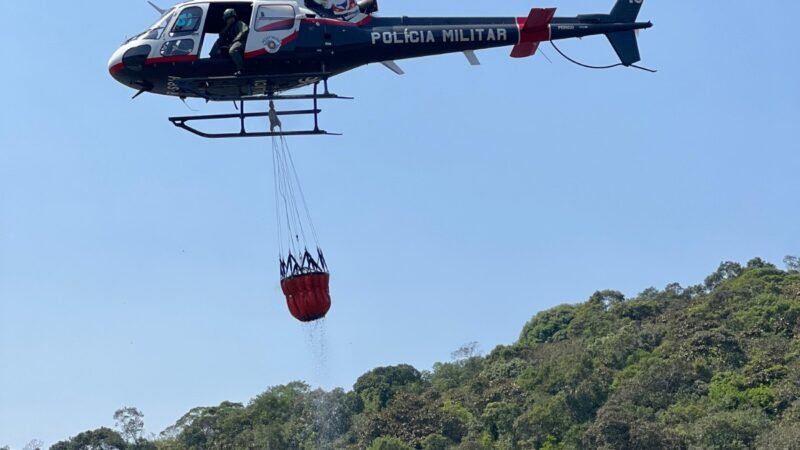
157	30
178	47
188	21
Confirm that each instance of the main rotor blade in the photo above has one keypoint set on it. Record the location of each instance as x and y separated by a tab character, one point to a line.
160	10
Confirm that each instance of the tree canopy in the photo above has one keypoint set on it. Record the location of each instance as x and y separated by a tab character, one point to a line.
713	366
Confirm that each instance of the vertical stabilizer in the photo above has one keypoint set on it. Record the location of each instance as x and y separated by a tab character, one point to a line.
626	46
626	11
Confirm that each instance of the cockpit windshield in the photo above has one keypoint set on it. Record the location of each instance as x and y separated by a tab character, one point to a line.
157	30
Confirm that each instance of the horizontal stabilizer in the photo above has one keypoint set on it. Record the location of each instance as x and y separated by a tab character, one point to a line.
391	65
533	30
472	57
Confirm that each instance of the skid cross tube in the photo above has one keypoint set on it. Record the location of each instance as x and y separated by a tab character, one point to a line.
183	121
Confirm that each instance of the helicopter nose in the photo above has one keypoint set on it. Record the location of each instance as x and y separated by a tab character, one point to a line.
129	57
115	64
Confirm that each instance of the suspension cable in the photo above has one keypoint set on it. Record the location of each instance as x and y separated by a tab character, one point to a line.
302	194
290	202
587	66
275	183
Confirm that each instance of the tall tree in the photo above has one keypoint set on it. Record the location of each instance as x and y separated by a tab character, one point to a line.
377	387
792	263
467	351
726	271
100	439
34	444
130	423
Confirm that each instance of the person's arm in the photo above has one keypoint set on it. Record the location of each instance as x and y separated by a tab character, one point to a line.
242	36
223	35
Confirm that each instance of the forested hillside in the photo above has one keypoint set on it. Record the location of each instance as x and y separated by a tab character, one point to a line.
713	366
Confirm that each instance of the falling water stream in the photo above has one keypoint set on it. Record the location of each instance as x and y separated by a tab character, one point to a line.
316	341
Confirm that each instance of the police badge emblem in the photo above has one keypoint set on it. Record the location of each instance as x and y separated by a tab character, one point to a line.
272	44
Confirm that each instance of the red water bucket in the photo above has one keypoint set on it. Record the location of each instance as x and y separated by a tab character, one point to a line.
308	296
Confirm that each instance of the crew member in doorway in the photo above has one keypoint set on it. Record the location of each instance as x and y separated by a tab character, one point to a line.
232	39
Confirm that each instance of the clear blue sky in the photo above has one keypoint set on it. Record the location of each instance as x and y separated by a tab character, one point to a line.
137	262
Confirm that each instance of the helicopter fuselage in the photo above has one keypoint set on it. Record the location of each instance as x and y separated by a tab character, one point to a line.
290	45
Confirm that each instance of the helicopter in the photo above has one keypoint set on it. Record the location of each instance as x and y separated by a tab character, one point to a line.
292	44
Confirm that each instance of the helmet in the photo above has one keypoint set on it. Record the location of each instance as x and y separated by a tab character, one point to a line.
230	12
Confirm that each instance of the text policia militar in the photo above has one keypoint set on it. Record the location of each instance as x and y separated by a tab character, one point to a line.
411	36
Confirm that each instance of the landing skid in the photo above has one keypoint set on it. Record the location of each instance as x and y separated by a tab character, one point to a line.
275	129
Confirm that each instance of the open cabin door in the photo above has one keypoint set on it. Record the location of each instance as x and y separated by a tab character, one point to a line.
275	27
185	37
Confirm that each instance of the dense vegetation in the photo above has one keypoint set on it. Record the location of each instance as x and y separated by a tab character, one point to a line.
713	366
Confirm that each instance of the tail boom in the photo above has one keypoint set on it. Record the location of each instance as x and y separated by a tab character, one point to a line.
402	38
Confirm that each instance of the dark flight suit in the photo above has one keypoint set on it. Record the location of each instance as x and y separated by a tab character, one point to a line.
234	37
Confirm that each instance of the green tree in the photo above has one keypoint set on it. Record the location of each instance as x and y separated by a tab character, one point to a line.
130	423
377	387
607	298
34	444
726	271
467	351
182	424
100	439
548	326
211	427
674	289
498	418
728	430
411	418
783	435
389	443
758	263
436	442
792	263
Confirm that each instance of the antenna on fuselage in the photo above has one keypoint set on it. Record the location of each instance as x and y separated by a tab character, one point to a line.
160	10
